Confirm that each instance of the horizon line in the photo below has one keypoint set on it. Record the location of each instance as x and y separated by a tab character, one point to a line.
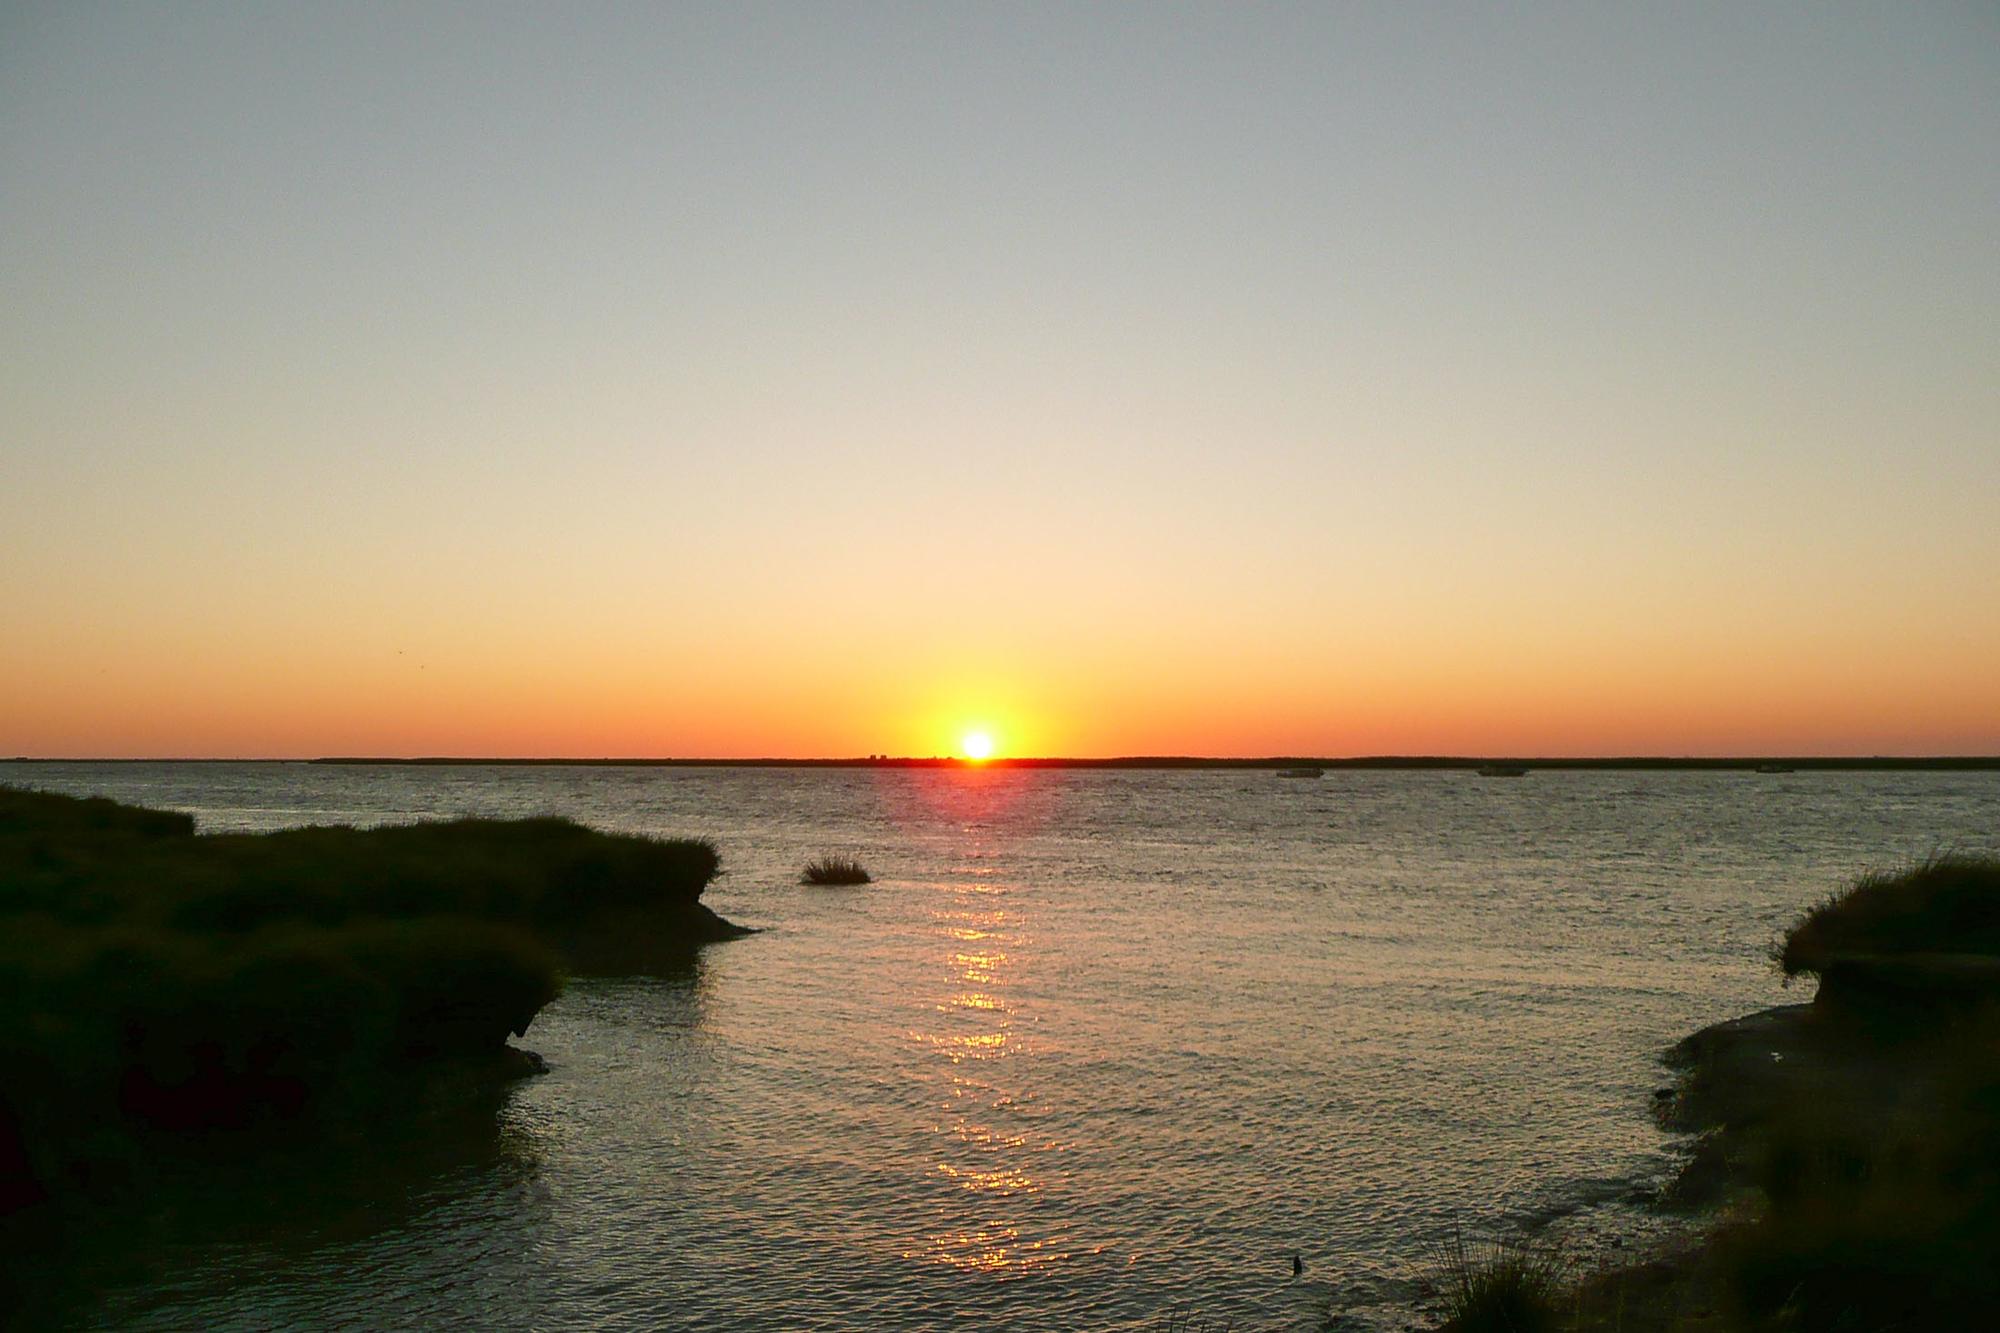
1389	761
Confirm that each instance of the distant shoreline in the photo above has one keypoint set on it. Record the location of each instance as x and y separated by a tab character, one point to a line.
1748	763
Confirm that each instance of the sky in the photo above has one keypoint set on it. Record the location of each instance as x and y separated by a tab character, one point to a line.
821	380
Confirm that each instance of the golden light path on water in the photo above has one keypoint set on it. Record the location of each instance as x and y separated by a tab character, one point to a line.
989	1143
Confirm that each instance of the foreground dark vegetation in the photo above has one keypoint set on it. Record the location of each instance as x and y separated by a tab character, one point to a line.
167	993
1848	1158
1512	1286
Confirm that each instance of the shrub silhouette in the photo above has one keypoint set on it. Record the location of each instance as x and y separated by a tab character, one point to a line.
156	981
1883	1187
835	870
1948	904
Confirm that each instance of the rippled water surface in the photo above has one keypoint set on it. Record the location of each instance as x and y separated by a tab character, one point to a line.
1096	1044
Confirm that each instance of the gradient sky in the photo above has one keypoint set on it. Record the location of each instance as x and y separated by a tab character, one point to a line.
826	379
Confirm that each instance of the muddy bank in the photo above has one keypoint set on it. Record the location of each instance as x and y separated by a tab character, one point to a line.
1840	1174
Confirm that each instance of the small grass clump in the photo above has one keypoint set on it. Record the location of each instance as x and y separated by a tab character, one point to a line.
835	870
1498	1286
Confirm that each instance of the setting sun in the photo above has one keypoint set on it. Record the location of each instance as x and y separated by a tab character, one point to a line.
977	745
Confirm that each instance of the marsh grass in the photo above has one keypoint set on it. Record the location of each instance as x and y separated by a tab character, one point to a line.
835	870
156	982
1947	904
1871	1154
1498	1286
1882	1184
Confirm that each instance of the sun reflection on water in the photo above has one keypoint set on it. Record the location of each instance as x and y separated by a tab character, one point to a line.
991	1159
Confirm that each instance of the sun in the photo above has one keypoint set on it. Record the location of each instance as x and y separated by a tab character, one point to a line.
977	745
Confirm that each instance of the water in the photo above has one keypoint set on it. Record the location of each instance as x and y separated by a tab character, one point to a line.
1096	1044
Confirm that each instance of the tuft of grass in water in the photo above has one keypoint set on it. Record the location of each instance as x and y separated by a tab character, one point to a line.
1498	1286
835	870
1183	1319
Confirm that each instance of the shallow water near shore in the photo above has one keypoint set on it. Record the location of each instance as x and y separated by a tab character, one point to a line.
1096	1044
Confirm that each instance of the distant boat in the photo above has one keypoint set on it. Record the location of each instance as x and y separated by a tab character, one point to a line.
1502	771
1776	768
1301	772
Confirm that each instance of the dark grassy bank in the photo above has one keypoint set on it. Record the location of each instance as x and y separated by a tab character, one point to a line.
167	991
1848	1158
1880	1172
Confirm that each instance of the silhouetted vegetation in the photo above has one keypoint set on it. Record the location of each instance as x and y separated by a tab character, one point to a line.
1906	949
1946	905
1861	1133
1855	1141
1499	1286
1880	1172
159	983
835	870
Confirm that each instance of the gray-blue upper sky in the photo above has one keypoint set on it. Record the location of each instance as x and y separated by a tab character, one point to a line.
1438	323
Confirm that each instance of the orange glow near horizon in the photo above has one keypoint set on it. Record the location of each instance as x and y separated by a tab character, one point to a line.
589	677
1383	698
